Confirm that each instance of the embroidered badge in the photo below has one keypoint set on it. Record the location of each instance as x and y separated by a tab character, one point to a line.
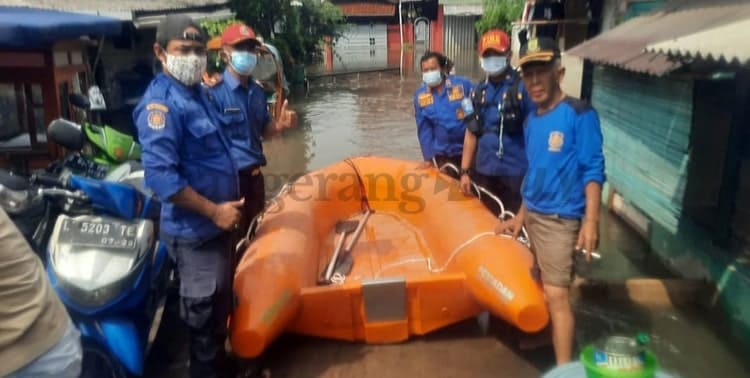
460	113
425	99
556	141
457	93
156	119
157	106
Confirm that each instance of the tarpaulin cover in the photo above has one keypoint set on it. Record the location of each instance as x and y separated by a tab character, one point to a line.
33	28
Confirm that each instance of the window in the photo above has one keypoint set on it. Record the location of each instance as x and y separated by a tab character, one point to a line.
9	124
21	111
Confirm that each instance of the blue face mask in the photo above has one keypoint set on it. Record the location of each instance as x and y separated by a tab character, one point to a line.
494	65
432	78
244	62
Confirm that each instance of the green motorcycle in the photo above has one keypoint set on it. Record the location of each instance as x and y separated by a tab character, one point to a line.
103	143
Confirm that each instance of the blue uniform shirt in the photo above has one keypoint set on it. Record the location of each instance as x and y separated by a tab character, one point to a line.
182	146
244	117
440	118
513	162
564	148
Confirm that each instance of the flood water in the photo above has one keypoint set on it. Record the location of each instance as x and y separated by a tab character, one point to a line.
372	114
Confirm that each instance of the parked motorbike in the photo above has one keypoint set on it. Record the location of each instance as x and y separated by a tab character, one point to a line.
104	260
23	201
101	143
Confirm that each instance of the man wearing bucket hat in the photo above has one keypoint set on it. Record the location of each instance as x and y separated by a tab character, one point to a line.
241	106
562	188
501	105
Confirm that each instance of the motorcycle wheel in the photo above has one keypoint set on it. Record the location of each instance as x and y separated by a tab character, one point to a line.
98	363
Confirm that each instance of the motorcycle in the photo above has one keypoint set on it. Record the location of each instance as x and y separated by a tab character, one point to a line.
104	260
102	144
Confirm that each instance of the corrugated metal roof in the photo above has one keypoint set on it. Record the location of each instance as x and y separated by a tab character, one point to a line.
625	46
726	44
91	6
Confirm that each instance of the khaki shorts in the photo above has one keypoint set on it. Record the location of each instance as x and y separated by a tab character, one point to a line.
553	240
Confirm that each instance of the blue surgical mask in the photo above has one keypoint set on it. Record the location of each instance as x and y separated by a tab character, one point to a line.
244	62
494	65
432	78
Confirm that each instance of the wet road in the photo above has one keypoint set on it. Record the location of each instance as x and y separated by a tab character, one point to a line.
373	114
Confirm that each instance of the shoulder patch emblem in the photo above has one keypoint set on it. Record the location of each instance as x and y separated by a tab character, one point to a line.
425	99
556	141
157	106
156	119
457	93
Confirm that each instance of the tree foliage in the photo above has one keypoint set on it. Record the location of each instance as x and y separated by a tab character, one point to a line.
300	29
499	14
214	28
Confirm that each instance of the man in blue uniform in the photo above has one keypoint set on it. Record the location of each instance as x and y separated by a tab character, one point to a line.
241	106
188	164
439	112
562	188
501	103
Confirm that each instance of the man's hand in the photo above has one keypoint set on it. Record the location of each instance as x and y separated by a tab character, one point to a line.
286	119
226	215
513	225
588	237
425	164
466	185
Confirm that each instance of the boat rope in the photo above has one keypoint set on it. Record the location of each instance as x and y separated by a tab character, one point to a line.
504	214
253	227
340	279
363	196
456	251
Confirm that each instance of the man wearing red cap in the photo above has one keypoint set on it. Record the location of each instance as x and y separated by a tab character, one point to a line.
501	105
241	106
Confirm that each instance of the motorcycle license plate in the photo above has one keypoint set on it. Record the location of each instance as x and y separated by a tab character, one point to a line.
99	233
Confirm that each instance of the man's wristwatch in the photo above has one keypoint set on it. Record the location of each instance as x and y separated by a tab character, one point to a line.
464	171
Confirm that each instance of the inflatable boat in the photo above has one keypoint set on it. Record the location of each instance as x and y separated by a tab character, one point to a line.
376	250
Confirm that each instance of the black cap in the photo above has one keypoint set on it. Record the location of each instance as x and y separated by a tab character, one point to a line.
173	27
539	50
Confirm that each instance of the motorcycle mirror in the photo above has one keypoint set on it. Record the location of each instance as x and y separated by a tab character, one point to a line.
12	181
96	98
79	101
65	133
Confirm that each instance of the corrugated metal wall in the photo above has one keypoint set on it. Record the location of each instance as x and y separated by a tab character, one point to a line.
460	43
646	123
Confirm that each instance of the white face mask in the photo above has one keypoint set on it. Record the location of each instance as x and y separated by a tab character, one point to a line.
494	65
187	69
432	78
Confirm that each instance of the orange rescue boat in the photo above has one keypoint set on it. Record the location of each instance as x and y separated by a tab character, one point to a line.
426	257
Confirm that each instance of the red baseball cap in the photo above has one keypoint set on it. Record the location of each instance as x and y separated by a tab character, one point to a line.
496	40
237	33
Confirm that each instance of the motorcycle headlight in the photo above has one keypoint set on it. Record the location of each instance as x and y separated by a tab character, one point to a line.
95	258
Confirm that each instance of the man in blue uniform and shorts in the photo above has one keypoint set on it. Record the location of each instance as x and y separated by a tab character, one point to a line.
562	189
